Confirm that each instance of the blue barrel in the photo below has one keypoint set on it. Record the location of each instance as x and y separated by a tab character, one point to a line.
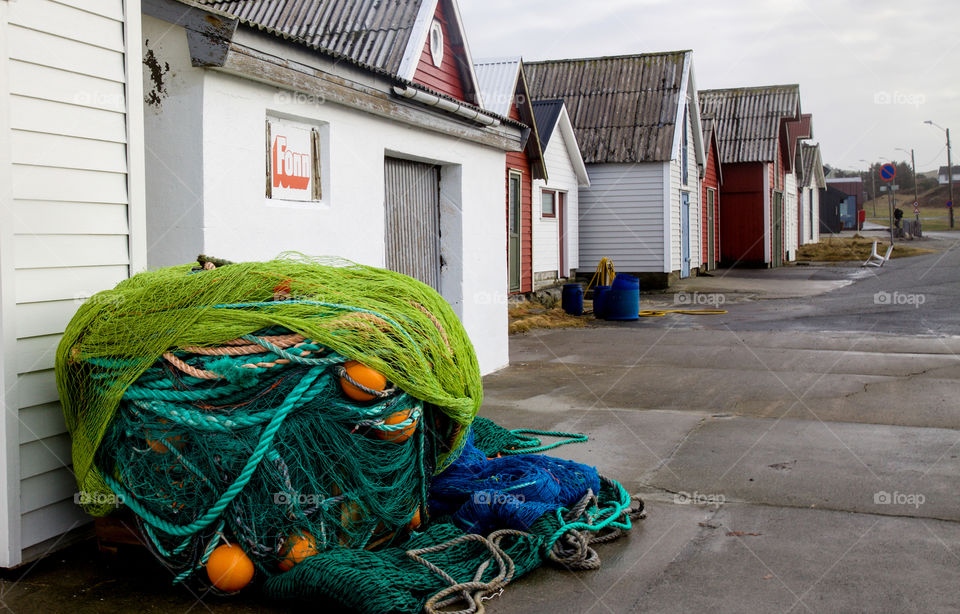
626	282
599	294
572	299
622	304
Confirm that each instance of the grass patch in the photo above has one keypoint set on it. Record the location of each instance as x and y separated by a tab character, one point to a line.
532	315
857	248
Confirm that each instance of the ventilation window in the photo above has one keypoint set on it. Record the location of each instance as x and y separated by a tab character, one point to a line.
436	43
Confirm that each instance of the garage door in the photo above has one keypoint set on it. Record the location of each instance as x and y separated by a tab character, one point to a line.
412	199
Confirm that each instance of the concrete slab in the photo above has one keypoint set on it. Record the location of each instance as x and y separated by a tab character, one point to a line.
803	463
900	380
803	560
623	444
629	566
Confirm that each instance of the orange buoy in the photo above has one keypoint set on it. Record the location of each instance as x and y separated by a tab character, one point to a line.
160	447
363	375
229	568
296	548
415	520
404	433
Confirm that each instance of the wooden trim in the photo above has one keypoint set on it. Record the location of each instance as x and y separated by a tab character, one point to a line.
136	166
315	155
10	530
555	196
269	157
418	38
288	74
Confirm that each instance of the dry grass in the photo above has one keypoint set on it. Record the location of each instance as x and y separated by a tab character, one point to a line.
532	315
857	248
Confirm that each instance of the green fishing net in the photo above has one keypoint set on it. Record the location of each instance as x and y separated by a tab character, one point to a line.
393	324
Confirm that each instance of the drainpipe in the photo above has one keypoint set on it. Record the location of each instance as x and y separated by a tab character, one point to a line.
449	106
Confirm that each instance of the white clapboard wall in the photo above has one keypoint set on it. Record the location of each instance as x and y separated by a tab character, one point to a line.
71	224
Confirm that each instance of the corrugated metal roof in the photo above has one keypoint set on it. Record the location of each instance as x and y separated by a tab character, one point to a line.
497	78
811	164
371	33
545	113
749	119
623	108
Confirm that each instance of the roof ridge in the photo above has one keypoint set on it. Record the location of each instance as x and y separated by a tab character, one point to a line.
750	87
626	56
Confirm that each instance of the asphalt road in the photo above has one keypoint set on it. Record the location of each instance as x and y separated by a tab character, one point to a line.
799	453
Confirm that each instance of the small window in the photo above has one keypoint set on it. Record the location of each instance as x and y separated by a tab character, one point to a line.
293	160
685	151
548	204
436	43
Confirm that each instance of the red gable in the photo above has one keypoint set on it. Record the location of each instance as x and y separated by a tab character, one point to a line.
446	78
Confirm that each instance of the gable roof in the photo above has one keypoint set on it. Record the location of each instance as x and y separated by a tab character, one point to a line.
710	142
750	119
384	37
552	118
623	108
811	166
369	33
546	113
503	83
497	78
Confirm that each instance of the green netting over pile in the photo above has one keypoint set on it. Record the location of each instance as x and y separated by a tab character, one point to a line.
390	322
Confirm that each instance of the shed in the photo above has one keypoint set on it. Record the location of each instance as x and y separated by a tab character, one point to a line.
797	131
832	200
710	197
853	204
556	200
340	127
756	156
812	181
71	224
637	122
503	87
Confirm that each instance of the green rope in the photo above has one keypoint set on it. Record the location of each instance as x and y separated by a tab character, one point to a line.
531	445
214	512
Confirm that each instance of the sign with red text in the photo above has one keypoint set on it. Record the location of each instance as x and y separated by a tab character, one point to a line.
291	151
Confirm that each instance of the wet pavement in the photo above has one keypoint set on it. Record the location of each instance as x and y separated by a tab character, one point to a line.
798	453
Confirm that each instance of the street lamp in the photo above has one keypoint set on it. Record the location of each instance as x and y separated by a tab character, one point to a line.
949	167
913	165
873	178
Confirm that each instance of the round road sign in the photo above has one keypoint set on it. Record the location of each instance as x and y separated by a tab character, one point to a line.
888	172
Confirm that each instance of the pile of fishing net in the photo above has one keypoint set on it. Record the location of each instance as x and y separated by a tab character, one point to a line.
312	424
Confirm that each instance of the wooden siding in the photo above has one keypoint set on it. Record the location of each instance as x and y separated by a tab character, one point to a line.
741	213
711	180
693	188
621	217
546	238
70	229
791	217
447	78
517	161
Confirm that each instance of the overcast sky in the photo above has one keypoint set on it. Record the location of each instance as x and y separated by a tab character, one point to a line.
870	72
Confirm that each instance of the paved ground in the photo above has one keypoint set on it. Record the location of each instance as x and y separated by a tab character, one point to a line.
766	443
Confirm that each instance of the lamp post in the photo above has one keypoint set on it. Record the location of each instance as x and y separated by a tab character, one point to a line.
949	167
913	166
873	177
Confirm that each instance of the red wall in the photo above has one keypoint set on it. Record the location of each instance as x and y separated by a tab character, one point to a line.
741	213
517	160
446	78
711	179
